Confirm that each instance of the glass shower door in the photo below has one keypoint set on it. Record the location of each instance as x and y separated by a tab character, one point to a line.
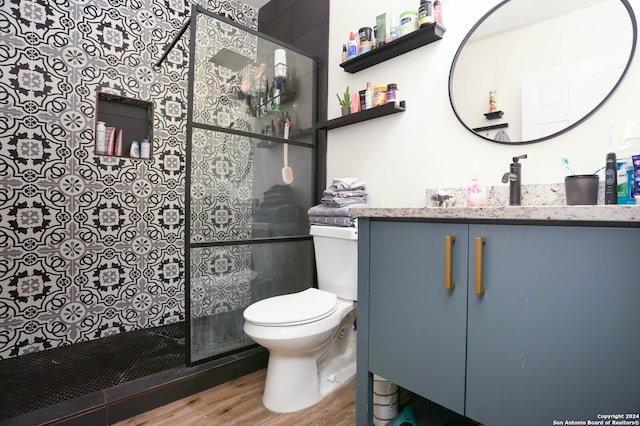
247	229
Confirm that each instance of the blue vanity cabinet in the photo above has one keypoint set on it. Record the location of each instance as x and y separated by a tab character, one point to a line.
417	326
554	335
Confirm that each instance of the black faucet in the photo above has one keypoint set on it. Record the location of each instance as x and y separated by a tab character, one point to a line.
514	177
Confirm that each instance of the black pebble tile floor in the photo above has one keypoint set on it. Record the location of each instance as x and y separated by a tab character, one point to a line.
40	379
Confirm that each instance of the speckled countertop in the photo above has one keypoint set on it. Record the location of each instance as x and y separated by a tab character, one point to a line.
539	203
598	213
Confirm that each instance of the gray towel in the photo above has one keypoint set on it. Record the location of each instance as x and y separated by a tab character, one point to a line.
342	202
502	136
322	210
344	193
348	183
331	220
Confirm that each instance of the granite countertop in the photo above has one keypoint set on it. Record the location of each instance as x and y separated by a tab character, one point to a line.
540	202
597	213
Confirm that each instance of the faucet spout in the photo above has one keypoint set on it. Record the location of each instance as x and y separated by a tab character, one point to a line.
514	177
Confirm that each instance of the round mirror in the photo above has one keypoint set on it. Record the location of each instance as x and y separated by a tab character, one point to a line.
530	70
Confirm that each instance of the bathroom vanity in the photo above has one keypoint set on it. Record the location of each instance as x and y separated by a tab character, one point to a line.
507	315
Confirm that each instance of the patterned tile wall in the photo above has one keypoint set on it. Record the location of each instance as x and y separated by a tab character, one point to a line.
90	246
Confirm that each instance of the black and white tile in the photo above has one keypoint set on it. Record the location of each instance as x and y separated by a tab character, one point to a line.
91	246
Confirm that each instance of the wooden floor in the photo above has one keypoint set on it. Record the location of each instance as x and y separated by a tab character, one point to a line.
239	402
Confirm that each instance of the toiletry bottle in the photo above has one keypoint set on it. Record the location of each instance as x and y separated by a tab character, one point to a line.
610	179
117	146
393	28
101	147
425	13
437	12
624	154
352	46
368	97
276	99
134	152
345	55
109	140
393	95
145	149
476	192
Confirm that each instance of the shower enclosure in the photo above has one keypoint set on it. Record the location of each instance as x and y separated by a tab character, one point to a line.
247	231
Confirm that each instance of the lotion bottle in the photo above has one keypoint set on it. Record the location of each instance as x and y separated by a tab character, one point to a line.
476	191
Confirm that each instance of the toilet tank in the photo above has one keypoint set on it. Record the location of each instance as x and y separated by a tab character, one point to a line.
336	249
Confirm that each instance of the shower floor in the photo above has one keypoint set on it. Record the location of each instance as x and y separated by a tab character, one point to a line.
40	379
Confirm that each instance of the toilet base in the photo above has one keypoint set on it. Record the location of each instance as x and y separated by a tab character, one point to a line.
292	383
297	382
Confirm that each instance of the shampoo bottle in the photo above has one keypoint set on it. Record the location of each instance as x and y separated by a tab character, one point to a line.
476	192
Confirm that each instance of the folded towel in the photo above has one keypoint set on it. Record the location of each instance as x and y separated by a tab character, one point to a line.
344	193
331	220
349	183
322	210
342	202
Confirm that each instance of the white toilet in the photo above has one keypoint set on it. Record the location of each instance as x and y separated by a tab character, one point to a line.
310	334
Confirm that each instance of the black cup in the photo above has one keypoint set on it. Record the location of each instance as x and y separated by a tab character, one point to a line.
581	189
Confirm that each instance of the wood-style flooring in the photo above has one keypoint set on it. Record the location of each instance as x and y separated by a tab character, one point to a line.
239	402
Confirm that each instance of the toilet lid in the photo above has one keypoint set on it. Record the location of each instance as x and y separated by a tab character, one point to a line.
292	309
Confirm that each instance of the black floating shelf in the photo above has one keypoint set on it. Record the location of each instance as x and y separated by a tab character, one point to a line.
420	37
357	117
495	126
494	115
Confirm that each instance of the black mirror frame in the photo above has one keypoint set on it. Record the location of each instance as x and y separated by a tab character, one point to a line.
634	25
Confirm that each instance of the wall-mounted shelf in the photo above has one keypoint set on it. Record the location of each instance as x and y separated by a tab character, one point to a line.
368	114
397	47
494	115
494	127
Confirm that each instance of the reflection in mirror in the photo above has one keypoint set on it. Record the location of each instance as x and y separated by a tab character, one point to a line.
549	65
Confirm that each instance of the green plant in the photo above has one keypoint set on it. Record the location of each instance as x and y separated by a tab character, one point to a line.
345	101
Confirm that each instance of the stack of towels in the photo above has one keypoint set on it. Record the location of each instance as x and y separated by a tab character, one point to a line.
337	199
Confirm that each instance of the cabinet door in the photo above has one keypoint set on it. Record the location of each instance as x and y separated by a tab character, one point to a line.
417	326
555	335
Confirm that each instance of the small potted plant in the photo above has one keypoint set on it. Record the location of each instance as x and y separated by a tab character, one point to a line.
345	102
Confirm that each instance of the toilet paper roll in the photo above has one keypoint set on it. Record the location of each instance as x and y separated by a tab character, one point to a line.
382	386
382	414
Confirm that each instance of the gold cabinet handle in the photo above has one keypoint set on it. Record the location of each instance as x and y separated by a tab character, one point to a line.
479	261
448	260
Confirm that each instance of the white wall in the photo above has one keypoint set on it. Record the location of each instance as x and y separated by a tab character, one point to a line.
402	155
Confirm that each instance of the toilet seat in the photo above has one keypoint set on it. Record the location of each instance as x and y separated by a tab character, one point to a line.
292	309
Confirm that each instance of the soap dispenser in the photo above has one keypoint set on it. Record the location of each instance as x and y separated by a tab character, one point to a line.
476	192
